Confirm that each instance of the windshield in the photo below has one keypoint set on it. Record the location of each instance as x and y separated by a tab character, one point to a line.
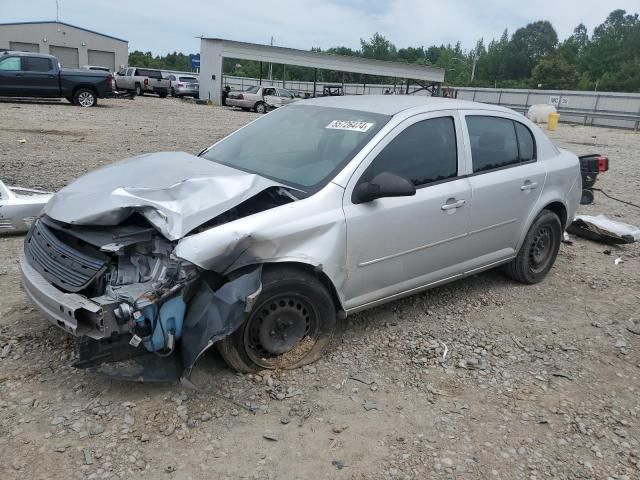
253	89
299	145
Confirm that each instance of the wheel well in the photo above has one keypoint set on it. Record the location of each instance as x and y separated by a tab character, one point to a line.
560	210
88	87
318	273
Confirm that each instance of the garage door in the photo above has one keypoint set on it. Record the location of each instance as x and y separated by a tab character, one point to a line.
24	47
68	57
100	58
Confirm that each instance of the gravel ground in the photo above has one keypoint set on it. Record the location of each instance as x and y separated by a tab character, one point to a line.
537	382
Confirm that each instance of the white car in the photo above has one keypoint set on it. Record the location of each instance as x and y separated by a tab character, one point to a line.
260	99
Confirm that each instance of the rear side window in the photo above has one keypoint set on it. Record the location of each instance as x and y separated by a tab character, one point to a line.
498	142
37	64
423	153
526	144
11	64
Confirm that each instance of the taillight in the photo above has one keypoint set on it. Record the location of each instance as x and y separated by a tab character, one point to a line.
146	81
111	81
603	164
180	85
240	96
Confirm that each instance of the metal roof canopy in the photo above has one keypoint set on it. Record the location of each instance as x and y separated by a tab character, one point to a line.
213	50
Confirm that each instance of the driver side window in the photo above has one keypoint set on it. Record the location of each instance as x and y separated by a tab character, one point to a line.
424	153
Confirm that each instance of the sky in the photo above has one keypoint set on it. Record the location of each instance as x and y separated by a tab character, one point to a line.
163	26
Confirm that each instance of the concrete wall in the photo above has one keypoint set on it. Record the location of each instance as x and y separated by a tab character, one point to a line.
45	34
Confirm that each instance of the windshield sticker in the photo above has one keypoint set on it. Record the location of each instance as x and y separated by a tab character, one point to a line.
351	125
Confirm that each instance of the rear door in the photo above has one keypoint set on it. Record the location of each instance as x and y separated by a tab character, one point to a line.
506	183
11	75
40	77
271	97
397	245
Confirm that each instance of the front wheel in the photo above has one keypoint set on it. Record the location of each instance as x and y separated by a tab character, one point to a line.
538	251
290	325
85	97
162	94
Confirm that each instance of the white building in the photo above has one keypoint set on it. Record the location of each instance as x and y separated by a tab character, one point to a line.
74	46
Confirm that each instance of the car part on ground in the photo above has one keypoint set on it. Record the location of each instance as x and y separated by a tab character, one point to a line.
260	242
602	229
19	207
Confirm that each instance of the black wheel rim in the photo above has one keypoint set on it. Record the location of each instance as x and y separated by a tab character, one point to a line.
541	249
277	326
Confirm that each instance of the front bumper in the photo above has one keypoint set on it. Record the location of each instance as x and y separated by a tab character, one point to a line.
73	313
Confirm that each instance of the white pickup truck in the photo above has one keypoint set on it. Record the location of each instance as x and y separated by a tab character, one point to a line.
142	80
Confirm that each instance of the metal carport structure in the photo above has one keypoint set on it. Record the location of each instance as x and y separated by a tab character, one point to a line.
214	50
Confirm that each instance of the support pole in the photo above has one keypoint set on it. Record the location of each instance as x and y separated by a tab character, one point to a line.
407	90
315	80
260	79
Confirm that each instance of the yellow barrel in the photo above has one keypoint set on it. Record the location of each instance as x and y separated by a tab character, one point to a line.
552	121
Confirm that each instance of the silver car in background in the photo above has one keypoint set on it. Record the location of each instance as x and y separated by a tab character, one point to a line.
313	212
184	86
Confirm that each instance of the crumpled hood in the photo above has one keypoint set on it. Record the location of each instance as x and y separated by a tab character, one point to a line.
175	191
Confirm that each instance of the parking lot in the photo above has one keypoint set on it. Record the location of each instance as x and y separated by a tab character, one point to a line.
483	378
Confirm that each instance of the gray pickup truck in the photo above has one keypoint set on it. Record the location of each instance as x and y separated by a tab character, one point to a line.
25	74
143	80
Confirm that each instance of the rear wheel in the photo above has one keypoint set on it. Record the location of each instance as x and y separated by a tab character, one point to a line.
290	325
538	251
260	107
85	97
139	90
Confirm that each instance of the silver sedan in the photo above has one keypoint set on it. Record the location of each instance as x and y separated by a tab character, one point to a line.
315	211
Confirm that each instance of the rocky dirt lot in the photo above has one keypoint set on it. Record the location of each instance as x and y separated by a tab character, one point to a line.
480	379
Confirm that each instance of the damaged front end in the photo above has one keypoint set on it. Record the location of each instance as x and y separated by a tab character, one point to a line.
140	312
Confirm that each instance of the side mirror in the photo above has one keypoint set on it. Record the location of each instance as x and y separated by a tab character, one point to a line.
385	184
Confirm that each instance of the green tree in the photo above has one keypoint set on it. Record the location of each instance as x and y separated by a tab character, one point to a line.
378	47
554	72
528	45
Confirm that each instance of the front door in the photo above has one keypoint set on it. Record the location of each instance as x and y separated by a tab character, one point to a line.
10	75
506	184
397	245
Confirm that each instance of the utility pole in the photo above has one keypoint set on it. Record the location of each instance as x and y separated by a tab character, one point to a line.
57	12
271	64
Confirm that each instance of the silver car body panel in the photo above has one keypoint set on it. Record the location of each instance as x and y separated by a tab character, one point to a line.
175	191
372	252
19	207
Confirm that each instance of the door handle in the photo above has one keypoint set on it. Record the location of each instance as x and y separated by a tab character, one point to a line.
455	204
529	186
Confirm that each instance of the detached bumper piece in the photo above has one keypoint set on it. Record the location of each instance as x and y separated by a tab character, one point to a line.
19	207
602	229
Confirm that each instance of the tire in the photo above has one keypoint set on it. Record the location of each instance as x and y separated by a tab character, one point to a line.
173	92
260	107
587	197
85	97
294	302
162	94
139	90
538	251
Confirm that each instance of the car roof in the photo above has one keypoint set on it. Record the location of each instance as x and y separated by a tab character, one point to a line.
393	104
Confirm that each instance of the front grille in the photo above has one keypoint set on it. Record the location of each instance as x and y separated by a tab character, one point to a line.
64	265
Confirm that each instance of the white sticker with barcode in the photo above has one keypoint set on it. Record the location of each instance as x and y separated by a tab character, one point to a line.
351	125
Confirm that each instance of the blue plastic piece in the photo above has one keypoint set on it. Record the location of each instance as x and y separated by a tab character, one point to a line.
169	320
